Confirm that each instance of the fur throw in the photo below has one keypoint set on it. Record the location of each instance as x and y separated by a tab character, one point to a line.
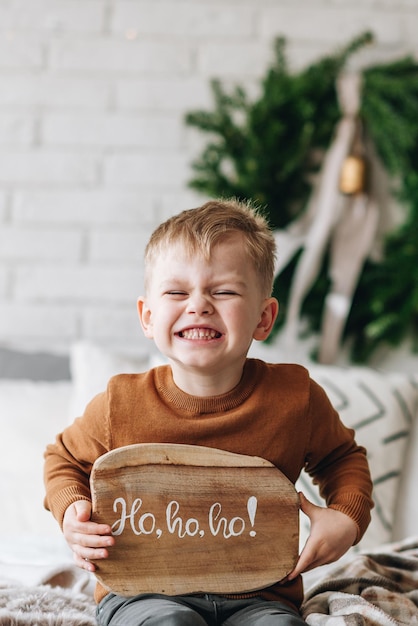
43	605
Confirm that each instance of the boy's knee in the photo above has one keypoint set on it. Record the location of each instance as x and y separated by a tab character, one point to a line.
175	616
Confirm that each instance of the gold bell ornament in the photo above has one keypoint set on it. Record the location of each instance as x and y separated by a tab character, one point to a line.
353	169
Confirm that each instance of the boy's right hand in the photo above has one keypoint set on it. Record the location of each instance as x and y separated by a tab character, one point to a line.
86	539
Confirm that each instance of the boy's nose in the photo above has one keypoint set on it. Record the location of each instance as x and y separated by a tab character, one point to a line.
199	305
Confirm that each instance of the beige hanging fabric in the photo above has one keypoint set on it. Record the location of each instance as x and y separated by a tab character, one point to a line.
351	243
349	222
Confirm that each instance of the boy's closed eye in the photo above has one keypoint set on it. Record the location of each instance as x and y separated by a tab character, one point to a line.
225	292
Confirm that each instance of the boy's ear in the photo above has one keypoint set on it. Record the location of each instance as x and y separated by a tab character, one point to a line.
144	314
268	317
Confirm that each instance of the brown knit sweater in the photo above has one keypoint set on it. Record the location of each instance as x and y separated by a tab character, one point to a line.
276	412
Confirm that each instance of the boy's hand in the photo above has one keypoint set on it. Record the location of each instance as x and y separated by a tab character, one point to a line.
86	539
332	534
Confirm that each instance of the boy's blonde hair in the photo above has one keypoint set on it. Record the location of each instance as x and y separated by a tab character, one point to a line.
200	229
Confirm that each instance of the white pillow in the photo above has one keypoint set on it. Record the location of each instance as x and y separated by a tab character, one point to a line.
91	368
381	408
31	414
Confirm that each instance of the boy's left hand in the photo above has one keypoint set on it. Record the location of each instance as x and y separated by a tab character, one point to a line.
332	534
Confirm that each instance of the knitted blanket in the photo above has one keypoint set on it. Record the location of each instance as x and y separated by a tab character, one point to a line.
373	589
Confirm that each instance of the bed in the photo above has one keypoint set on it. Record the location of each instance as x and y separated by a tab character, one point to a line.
375	583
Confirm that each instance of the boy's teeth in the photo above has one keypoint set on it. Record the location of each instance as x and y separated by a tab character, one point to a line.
199	333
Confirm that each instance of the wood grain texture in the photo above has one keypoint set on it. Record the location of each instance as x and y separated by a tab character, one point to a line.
190	519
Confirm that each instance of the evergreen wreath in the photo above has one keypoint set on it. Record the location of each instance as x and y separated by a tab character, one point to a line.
267	150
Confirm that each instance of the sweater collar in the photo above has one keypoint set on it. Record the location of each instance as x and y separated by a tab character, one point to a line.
182	401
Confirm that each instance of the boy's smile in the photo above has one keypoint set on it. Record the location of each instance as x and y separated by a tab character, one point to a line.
203	314
204	334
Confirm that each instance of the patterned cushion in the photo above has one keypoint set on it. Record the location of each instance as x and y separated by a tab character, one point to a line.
381	409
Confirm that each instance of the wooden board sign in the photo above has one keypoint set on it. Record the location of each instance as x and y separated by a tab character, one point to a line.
190	519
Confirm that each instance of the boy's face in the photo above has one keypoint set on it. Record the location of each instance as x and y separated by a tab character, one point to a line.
203	315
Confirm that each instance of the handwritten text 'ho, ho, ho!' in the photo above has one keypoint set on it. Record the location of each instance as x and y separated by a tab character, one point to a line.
145	523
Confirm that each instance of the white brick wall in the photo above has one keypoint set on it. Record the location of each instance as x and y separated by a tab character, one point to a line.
93	147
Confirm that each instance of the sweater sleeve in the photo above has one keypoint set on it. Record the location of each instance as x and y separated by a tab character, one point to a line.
69	460
336	463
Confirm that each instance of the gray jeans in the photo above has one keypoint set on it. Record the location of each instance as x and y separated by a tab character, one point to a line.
204	610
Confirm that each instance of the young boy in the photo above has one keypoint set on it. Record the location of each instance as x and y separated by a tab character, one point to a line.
208	283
